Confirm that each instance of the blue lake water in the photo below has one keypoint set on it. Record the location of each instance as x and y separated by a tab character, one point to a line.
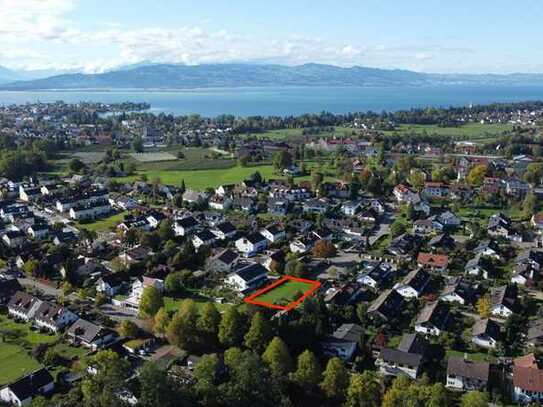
283	101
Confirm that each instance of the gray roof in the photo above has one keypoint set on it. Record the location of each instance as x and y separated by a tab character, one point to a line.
457	366
400	357
413	343
348	332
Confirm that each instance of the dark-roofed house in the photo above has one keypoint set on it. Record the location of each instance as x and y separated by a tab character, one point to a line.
503	300
413	284
23	306
183	227
387	306
463	374
485	333
534	336
224	261
89	335
8	287
248	277
433	318
110	284
458	290
224	230
53	317
22	391
203	238
407	359
343	341
252	244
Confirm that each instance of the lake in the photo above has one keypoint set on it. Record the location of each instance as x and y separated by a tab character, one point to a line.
283	101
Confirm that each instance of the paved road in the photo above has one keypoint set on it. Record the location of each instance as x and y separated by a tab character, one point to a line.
383	229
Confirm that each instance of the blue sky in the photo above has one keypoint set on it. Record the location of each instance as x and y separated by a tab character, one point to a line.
425	35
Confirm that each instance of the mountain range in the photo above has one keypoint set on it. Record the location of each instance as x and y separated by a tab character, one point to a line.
177	76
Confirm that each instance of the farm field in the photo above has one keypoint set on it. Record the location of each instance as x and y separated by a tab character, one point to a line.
153	157
285	293
172	304
294	134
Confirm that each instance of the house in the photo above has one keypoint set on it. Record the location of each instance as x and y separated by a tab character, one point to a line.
89	335
407	359
29	193
404	195
274	233
247	278
184	226
344	294
515	187
53	317
376	275
22	391
432	319
442	241
110	284
23	306
387	306
534	335
503	300
466	375
13	238
135	255
38	231
317	206
448	220
458	290
155	218
303	244
403	244
485	333
90	210
65	238
499	225
8	288
351	208
413	285
138	223
435	262
343	342
488	248
435	190
203	238
251	245
527	380
224	261
138	287
525	274
244	204
122	202
424	227
478	266
225	189
224	230
193	197
278	206
220	202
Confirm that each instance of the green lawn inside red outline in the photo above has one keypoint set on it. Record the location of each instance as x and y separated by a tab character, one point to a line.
252	299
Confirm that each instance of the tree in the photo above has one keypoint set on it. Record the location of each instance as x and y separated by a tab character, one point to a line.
308	372
205	373
259	333
209	320
397	228
278	358
102	389
31	267
335	379
174	283
281	160
182	331
151	301
231	327
324	248
484	306
477	175
529	205
161	322
155	387
137	144
128	329
474	399
364	390
417	178
165	231
76	165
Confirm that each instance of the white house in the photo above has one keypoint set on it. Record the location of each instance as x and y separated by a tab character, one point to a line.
22	391
413	284
274	233
248	277
184	226
485	333
252	244
53	317
466	375
433	318
203	238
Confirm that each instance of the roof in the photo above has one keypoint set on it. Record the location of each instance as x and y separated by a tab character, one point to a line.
528	378
24	303
413	343
457	366
434	313
400	357
417	279
255	238
30	384
433	260
8	286
187	222
227	256
526	361
348	332
205	235
226	227
486	326
86	330
251	271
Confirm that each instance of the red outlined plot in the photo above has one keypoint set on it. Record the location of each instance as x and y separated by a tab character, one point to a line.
253	298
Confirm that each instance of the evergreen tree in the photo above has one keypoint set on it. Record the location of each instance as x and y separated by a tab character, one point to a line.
335	379
308	371
259	333
231	328
364	390
151	301
278	358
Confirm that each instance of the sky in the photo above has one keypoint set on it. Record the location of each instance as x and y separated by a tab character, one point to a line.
460	36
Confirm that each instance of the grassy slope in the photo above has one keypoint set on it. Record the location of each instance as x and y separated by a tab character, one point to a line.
469	131
104	225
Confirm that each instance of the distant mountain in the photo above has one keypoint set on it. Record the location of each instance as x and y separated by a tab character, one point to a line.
173	76
10	75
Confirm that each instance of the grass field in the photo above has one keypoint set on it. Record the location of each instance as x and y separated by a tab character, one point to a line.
104	225
475	357
172	304
285	293
471	131
294	134
202	179
14	363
